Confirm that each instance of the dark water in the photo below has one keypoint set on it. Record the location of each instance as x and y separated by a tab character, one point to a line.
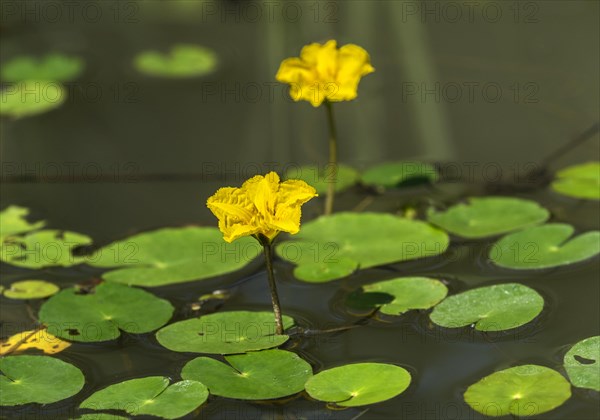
163	147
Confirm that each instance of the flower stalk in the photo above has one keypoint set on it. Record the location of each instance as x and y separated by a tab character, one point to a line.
268	251
332	159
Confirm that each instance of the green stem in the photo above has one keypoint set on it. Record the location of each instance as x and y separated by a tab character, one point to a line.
268	250
332	158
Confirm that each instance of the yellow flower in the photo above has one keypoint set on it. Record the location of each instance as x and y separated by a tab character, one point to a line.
324	72
262	206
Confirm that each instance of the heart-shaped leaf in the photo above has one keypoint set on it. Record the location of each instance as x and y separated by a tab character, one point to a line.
527	390
31	289
544	247
261	375
100	314
224	333
582	363
579	181
488	216
182	61
492	308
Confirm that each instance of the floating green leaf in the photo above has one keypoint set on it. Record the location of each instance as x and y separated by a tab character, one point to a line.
34	379
13	222
394	174
100	314
150	396
44	248
182	61
406	293
343	176
174	255
31	97
582	363
492	308
52	67
101	416
579	181
224	333
527	390
489	216
261	375
31	289
544	246
358	384
365	239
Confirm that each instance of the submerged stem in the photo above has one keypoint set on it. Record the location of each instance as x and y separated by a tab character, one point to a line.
332	158
268	250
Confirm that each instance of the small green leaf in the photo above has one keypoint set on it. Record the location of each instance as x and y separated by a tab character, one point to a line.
13	222
224	333
31	97
407	293
31	289
358	240
52	67
582	363
358	384
579	181
396	174
182	61
44	248
261	375
151	396
35	379
173	255
544	247
489	216
101	416
492	308
343	176
100	314
527	390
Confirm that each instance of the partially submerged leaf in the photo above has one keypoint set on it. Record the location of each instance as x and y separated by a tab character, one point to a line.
358	384
182	61
99	315
582	363
173	255
545	246
13	222
36	379
492	308
522	391
358	240
488	216
31	289
579	181
39	339
261	375
151	396
224	333
31	97
52	67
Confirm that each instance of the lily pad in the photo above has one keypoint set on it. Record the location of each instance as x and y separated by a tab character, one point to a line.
527	390
101	313
31	289
395	174
224	333
406	293
39	339
52	67
582	363
492	308
182	61
544	246
174	255
34	379
579	181
367	239
13	222
31	97
150	396
489	216
358	384
44	248
320	177
261	375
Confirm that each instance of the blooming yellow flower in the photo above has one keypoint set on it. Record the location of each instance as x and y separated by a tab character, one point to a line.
324	72
262	206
